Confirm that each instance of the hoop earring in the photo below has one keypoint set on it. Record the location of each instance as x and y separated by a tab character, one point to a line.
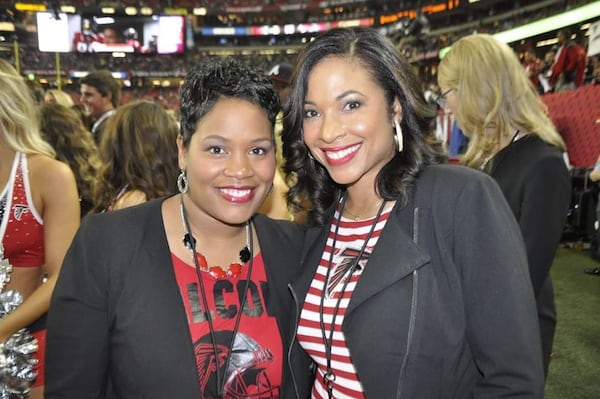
183	185
398	136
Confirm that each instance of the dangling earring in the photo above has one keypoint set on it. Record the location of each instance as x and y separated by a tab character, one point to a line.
398	136
183	184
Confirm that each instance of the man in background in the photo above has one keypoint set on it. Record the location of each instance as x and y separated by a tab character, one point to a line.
568	71
100	94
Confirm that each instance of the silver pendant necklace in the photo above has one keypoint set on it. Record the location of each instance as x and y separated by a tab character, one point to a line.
248	251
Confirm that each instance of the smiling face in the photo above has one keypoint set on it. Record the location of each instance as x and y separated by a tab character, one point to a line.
230	161
94	103
347	123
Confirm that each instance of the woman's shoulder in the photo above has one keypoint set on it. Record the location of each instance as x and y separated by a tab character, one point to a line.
537	155
452	185
48	169
130	198
451	175
52	180
532	145
131	220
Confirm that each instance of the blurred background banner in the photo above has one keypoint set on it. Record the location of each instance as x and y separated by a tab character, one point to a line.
594	41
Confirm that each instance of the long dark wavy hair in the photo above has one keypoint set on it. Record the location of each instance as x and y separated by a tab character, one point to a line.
312	190
139	151
63	128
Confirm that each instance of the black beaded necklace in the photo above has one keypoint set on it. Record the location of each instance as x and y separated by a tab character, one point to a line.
329	376
247	253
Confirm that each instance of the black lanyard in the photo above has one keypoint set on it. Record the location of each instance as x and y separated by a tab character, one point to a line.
220	377
329	376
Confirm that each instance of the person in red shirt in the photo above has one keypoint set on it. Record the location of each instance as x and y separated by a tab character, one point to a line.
533	67
568	70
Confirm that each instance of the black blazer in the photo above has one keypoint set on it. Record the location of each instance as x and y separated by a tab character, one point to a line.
444	307
117	318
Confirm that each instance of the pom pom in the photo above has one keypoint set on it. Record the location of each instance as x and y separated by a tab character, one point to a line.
16	354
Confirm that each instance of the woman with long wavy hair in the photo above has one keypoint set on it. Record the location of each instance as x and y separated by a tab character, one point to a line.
74	144
139	152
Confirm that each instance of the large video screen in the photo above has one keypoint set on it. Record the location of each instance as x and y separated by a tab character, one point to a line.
163	34
56	31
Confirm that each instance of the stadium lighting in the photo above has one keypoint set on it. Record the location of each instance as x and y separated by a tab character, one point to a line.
544	25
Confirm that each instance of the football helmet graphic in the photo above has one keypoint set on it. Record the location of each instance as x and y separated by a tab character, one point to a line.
245	377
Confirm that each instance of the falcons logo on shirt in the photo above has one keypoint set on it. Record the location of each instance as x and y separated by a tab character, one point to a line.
19	210
346	259
245	377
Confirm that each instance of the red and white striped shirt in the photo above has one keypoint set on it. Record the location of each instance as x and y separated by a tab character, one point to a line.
349	242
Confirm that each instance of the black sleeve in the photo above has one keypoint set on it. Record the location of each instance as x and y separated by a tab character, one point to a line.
502	327
543	214
77	336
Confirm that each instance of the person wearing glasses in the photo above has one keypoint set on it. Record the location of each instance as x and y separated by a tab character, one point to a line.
414	282
512	138
457	143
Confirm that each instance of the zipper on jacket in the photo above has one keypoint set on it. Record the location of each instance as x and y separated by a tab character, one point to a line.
413	308
293	340
411	329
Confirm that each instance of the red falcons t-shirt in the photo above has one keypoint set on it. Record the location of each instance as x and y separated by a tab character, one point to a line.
255	367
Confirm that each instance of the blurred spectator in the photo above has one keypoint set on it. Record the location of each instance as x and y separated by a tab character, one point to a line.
569	67
100	95
458	141
36	89
80	109
139	154
431	92
74	145
533	66
593	70
275	204
281	76
56	96
546	70
595	247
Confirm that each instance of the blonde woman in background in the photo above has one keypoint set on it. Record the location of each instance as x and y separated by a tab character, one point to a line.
139	154
39	212
512	138
55	96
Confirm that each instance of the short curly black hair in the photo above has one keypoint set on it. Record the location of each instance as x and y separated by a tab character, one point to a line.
210	81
